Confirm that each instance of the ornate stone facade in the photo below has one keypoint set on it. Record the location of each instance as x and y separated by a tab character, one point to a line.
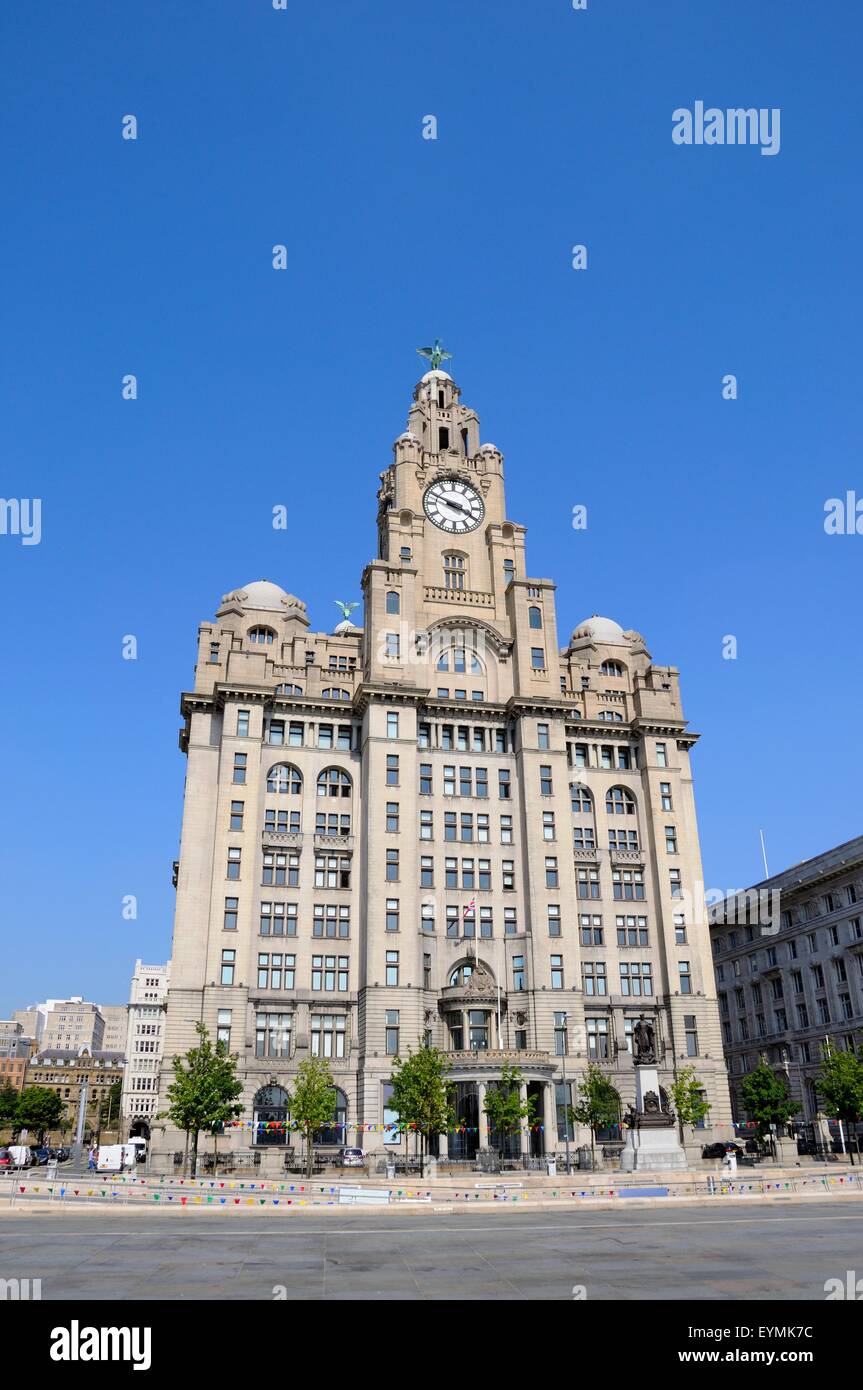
444	822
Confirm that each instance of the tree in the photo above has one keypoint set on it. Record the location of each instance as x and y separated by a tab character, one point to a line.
840	1085
203	1091
9	1098
598	1107
421	1094
506	1110
765	1098
687	1098
313	1103
38	1108
109	1109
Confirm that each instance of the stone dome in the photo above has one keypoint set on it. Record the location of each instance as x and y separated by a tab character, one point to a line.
601	630
437	374
262	595
489	449
408	437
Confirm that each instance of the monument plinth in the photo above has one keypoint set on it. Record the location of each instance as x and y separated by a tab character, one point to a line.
652	1142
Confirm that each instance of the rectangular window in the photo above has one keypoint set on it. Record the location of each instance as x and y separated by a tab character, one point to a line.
227	971
504	788
557	972
281	869
242	723
593	978
328	1035
590	929
392	725
581	756
233	869
392	769
448	780
508	874
548	825
427	917
391	646
295	734
392	872
482	781
676	883
665	796
230	920
661	755
392	817
276	732
426	825
518	973
506	830
510	921
545	780
392	914
597	1039
392	1032
588	883
450	826
542	735
273	1035
553	920
426	871
679	929
537	658
670	840
237	815
240	760
551	873
425	779
392	969
325	735
685	977
330	920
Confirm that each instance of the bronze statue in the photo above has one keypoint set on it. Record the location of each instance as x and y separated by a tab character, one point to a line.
644	1041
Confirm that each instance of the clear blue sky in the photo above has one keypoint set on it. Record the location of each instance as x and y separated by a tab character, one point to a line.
256	387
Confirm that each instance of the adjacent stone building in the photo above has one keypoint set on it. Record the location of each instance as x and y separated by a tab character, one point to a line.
788	958
443	823
66	1070
144	1044
15	1049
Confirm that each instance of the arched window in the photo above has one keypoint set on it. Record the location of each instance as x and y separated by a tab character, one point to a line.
262	635
619	802
611	668
611	716
584	829
289	690
334	1133
393	602
270	1115
534	616
454	570
334	781
332	692
461	974
285	779
460	660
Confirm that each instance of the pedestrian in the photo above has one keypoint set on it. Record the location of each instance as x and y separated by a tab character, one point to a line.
91	1159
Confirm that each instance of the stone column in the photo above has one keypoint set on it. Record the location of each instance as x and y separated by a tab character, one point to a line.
443	1146
549	1119
525	1132
483	1118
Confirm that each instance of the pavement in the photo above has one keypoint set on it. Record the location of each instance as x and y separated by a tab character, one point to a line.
782	1249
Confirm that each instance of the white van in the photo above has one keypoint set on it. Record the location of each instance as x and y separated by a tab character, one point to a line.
20	1155
116	1158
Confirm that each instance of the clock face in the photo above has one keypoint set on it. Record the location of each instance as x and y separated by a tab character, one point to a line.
453	506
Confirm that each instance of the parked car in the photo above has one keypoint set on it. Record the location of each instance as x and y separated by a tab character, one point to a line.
63	1154
5	1160
351	1158
41	1154
21	1156
720	1150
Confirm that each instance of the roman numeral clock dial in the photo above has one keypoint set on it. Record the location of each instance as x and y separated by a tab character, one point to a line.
453	506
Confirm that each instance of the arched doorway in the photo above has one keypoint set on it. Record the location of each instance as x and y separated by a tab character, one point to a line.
139	1129
270	1108
463	1140
335	1133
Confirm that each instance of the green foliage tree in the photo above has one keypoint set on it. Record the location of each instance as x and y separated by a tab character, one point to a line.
8	1104
109	1108
598	1107
38	1108
421	1094
765	1098
504	1106
840	1085
687	1098
313	1103
204	1090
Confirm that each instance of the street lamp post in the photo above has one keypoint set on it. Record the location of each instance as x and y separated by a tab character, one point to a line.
565	1093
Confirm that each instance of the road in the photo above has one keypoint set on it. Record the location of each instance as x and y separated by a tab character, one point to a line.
753	1251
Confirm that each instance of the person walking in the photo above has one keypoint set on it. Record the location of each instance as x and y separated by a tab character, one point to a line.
91	1159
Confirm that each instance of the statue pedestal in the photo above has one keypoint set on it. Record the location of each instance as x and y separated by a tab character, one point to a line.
652	1143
